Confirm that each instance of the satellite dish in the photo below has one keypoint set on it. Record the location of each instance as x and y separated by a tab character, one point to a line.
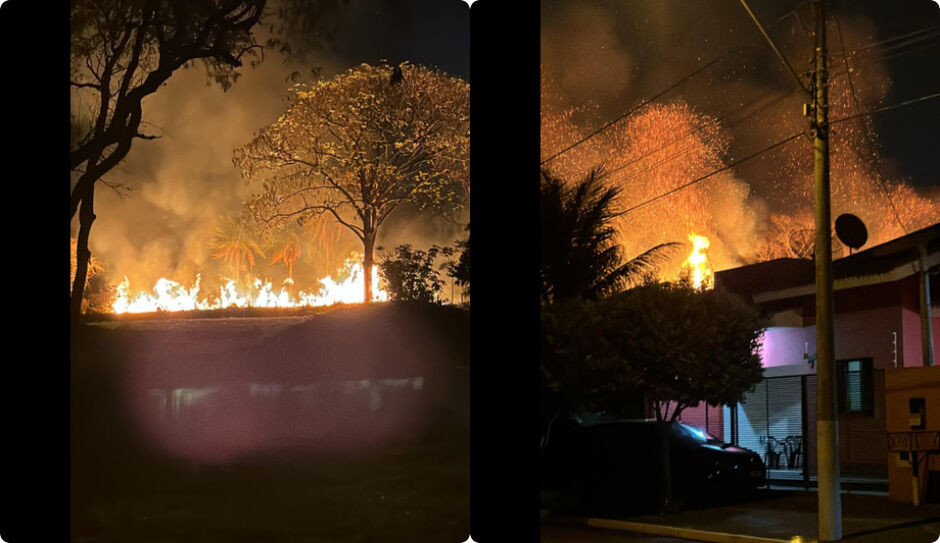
851	230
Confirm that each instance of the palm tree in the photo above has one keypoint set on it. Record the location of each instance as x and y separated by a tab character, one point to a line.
579	258
324	236
286	248
234	244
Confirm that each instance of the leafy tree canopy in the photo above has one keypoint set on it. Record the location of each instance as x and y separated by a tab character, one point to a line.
359	145
411	275
669	342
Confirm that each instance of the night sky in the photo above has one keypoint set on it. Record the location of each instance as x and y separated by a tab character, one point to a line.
737	101
183	182
616	54
429	32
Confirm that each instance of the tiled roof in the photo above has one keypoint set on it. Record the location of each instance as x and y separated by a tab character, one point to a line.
787	273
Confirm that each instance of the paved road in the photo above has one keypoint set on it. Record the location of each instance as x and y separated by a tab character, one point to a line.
571	533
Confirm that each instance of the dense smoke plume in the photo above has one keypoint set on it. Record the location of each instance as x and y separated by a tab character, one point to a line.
600	60
182	184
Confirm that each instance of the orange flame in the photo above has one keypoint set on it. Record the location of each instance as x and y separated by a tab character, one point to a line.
697	263
168	295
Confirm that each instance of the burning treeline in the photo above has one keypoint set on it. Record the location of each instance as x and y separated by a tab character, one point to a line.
244	276
661	155
199	256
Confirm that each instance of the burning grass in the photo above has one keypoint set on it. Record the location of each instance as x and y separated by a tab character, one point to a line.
222	313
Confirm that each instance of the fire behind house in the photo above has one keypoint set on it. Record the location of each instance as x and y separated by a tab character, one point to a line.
878	324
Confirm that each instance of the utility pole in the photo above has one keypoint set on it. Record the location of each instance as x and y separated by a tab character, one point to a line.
926	331
827	419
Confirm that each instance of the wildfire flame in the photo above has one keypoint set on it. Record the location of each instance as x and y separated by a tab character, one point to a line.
697	263
168	295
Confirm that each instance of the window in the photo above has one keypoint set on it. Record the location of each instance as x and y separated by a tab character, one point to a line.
855	386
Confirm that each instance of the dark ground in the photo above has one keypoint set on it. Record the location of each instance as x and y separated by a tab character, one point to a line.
573	533
773	514
412	487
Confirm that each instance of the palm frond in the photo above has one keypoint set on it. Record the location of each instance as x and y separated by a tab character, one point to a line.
579	254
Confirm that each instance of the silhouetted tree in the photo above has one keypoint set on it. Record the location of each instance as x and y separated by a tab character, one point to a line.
669	343
578	256
122	52
460	270
411	275
356	147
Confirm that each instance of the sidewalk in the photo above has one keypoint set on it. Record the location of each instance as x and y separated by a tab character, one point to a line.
781	515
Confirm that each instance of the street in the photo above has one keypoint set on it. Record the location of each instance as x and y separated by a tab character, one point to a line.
556	532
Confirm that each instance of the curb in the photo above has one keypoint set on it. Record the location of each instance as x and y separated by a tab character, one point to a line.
686	533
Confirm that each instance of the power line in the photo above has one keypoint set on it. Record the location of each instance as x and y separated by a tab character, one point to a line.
628	113
704	177
689	132
916	35
725	54
865	134
888	108
920	47
773	46
769	148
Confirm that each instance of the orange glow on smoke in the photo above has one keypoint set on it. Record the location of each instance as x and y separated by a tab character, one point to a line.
168	295
697	263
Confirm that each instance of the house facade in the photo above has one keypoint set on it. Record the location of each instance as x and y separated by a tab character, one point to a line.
879	319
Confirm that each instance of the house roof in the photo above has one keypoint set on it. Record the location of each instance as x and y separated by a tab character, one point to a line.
791	277
883	258
766	276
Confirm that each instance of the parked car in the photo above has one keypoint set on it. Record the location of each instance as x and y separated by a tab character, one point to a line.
625	466
708	466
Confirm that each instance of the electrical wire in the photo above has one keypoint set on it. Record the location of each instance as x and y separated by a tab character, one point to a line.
707	176
769	148
916	35
864	127
773	46
687	134
628	113
607	125
888	108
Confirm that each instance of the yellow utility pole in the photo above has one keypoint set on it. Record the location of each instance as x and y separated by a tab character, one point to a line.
827	419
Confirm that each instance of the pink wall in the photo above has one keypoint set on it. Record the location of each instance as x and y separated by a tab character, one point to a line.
911	354
858	334
868	334
785	346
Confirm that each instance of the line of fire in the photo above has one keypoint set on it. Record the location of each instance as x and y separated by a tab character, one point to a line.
740	242
270	275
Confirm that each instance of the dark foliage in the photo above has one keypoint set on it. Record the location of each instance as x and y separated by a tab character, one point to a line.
673	344
122	52
578	256
411	275
460	270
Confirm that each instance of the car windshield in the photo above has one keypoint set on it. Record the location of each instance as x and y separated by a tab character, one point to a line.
696	433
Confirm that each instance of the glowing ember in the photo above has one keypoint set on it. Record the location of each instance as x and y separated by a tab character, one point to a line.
168	295
697	262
